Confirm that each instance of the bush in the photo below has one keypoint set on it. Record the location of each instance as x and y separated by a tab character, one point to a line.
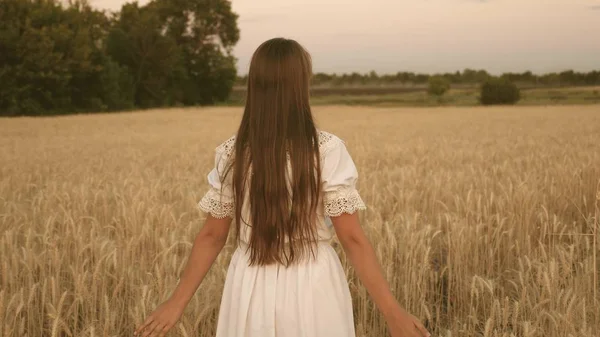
438	86
499	91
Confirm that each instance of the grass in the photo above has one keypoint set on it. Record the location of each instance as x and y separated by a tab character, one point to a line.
482	217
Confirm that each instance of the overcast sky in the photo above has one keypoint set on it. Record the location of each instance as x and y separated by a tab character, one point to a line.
424	35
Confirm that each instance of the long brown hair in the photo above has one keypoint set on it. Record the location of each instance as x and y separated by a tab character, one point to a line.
278	126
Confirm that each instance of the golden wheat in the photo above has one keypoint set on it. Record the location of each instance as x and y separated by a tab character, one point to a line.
484	218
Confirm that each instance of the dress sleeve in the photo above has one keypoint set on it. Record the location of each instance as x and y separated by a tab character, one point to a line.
219	201
339	176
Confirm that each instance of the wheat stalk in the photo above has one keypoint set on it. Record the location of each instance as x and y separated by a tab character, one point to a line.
476	215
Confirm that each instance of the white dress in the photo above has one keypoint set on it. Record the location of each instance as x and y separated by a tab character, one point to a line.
311	299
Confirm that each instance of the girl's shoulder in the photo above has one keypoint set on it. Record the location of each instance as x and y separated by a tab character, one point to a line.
227	146
327	141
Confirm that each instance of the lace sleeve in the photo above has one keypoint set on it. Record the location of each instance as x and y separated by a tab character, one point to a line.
219	201
340	176
344	200
213	203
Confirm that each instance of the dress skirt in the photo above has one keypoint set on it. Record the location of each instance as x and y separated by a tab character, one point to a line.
310	299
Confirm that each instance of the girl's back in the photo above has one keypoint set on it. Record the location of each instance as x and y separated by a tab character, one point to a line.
279	300
338	180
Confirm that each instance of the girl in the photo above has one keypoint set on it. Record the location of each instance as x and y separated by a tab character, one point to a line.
281	180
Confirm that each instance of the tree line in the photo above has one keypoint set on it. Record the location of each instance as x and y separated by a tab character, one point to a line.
69	58
465	77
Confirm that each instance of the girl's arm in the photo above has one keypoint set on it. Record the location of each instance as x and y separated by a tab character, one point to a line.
207	245
362	256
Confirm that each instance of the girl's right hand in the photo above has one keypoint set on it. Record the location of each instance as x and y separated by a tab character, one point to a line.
161	320
403	324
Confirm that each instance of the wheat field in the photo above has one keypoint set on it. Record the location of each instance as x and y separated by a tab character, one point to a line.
483	218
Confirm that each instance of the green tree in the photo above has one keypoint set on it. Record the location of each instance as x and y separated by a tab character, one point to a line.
438	86
36	57
152	59
51	58
57	58
499	90
206	32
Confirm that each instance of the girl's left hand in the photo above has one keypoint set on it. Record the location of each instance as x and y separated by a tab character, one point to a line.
161	320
